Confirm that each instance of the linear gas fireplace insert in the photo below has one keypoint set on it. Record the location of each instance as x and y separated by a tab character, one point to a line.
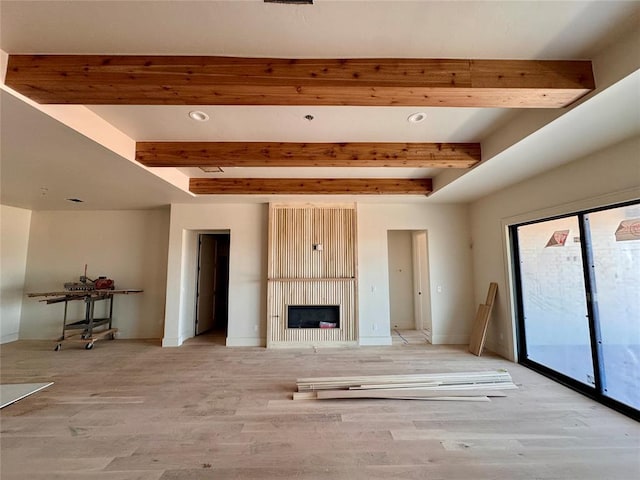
313	316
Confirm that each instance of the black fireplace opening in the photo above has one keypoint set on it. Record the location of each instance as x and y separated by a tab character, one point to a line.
313	316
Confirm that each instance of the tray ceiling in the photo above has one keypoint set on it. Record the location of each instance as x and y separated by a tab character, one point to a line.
501	30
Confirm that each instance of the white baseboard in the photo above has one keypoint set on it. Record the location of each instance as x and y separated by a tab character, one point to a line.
372	341
11	337
449	339
246	342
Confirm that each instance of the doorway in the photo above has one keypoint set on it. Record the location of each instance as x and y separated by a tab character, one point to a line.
409	299
212	284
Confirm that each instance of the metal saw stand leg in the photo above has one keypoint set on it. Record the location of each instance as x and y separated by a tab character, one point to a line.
87	325
64	323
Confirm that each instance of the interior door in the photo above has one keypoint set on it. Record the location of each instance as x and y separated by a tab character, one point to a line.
205	306
421	300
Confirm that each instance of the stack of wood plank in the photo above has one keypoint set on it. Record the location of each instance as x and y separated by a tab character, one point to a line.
462	386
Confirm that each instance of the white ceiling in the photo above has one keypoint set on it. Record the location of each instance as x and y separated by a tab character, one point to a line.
288	124
607	118
329	29
38	151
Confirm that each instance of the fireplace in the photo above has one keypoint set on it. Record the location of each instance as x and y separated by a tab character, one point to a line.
313	316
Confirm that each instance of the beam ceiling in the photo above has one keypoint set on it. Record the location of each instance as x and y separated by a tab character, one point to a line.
309	186
278	154
190	80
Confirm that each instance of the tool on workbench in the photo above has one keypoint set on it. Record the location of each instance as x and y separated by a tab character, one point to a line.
86	284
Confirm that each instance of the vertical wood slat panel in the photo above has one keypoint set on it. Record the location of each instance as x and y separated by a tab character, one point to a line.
298	229
299	275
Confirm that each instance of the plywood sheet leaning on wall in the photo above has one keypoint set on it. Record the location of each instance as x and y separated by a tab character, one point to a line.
481	322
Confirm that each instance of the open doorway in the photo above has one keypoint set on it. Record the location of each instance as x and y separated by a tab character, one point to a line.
409	299
212	285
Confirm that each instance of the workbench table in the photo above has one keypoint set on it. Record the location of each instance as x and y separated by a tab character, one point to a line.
84	330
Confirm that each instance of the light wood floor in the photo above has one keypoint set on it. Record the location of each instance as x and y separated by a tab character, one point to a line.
132	410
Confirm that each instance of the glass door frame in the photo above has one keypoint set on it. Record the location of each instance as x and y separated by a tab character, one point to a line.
595	392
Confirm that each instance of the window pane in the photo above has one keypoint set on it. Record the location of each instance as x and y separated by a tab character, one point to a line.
553	295
615	240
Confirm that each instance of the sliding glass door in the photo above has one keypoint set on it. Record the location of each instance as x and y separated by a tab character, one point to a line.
578	286
615	251
554	304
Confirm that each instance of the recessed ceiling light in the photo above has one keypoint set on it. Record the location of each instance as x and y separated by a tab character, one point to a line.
417	117
75	200
212	169
198	116
309	117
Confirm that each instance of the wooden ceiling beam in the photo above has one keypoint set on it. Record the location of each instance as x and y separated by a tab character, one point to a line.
274	154
190	80
310	186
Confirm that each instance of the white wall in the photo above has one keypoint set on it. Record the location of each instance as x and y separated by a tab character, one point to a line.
606	177
450	261
450	266
128	246
247	224
14	240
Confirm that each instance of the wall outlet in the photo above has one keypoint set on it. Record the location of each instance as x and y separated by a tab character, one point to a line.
439	289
